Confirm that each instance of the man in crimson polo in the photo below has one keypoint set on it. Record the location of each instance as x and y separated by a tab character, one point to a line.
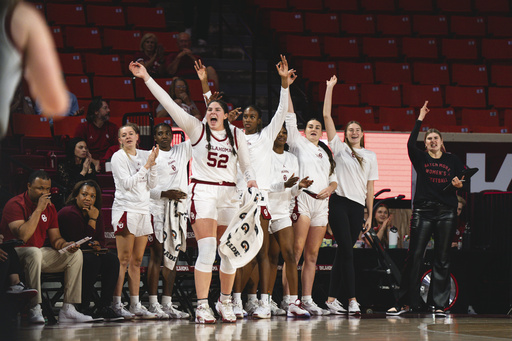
32	218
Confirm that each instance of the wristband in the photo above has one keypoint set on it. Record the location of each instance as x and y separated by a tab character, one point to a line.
95	219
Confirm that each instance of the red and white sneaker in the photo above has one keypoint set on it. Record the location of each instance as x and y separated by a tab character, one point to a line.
295	310
225	310
204	314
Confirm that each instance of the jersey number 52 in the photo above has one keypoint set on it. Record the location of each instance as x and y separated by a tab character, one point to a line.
217	160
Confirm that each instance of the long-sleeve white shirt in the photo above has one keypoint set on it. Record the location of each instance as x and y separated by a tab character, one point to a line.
283	167
133	181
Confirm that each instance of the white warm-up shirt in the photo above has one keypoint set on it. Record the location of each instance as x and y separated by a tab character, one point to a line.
313	160
283	167
352	179
172	174
217	164
133	181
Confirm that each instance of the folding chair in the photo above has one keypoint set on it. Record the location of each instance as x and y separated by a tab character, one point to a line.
113	87
146	17
430	25
466	97
106	16
420	48
392	73
468	26
429	73
355	73
121	40
381	95
322	23
500	97
103	65
460	49
359	24
83	38
394	25
469	74
340	47
72	63
415	95
65	14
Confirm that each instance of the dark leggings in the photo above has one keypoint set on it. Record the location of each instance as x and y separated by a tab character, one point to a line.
429	218
108	266
346	221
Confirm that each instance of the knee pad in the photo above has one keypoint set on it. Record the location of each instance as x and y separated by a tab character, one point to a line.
207	248
226	266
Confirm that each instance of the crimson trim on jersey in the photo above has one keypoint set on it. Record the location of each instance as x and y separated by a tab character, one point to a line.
193	212
220	183
124	221
200	137
236	140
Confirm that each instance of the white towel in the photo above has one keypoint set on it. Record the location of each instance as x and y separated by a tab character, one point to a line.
243	237
175	232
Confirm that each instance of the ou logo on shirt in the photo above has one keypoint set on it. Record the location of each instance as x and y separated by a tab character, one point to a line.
44	218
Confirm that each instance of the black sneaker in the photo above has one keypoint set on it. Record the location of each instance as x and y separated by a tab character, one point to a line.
440	313
108	314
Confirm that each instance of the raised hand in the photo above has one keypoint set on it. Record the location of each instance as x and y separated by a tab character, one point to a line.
152	157
214	97
291	181
233	114
282	70
292	76
139	70
332	82
423	111
202	74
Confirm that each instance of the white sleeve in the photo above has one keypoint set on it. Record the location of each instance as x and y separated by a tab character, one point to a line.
121	171
296	190
291	126
275	125
337	145
191	125
374	168
206	97
152	178
277	187
333	178
155	193
243	157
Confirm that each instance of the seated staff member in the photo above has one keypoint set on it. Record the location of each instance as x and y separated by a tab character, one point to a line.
134	174
172	186
80	218
281	196
217	147
32	218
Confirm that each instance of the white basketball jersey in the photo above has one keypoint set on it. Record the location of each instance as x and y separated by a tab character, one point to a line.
283	167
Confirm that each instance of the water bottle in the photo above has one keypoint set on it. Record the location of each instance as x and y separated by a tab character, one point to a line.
393	237
459	243
466	239
53	160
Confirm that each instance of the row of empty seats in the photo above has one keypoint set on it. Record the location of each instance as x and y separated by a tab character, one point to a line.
471	49
76	14
406	73
332	23
421	6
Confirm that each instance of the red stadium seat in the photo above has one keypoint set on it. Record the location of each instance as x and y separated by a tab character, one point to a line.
412	6
355	73
343	94
486	118
472	75
318	71
358	24
31	125
119	108
342	115
71	63
466	97
501	75
146	17
460	49
57	36
79	85
392	73
121	40
106	181
337	47
113	87
381	95
33	161
446	128
289	22
500	97
346	5
394	25
104	65
490	130
507	119
196	89
400	119
142	91
444	115
467	26
322	23
420	48
83	38
430	25
306	5
416	95
495	6
67	125
499	26
497	49
108	16
300	46
380	47
455	6
428	73
65	14
378	5
168	40
381	126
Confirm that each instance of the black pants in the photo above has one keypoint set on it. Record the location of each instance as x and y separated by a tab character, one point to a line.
106	265
429	218
346	221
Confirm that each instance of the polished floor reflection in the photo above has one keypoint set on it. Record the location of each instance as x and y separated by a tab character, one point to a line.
367	327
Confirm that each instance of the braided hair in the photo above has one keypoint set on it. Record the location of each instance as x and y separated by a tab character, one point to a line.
226	127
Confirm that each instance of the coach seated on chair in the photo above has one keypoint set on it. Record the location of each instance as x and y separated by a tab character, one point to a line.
32	218
80	218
